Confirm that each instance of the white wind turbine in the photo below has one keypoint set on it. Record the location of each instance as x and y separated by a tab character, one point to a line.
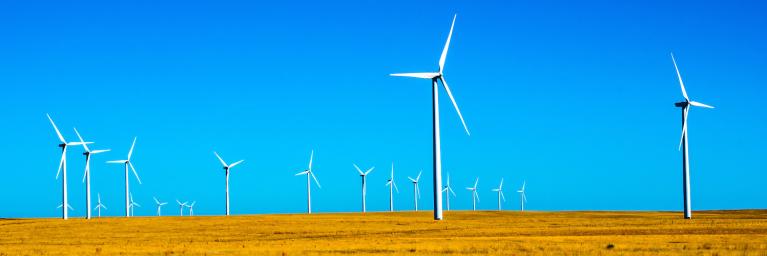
227	167
63	166
392	187
474	195
448	190
132	205
191	208
416	191
500	194
159	205
128	163
87	176
522	196
309	172
685	105
434	76
181	207
68	206
99	205
364	187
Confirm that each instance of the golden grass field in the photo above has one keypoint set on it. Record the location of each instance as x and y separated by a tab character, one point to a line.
462	232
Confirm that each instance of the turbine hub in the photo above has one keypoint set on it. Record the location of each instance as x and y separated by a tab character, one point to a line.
682	104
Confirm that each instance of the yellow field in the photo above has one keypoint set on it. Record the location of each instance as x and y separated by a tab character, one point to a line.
486	232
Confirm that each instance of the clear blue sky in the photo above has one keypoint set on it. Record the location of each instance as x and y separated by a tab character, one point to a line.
577	99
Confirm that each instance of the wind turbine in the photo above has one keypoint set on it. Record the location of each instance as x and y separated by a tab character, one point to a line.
309	172
127	163
226	169
63	166
191	208
99	205
522	197
434	76
474	195
685	105
68	206
181	207
87	175
159	205
416	191
448	190
133	205
392	186
364	187
500	194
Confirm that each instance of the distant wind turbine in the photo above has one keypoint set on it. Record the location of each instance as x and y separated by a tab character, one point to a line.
434	76
416	191
132	205
63	166
68	206
500	194
522	196
685	105
181	207
364	188
128	163
448	190
99	205
191	208
308	172
87	175
159	205
392	186
227	167
474	195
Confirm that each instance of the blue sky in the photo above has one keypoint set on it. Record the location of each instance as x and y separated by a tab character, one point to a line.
577	99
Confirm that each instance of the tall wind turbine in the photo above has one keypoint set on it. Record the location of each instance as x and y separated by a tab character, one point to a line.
434	76
500	194
474	195
309	172
392	186
128	163
87	175
227	167
685	105
133	204
159	205
522	196
364	187
99	205
448	190
63	166
416	191
191	208
181	207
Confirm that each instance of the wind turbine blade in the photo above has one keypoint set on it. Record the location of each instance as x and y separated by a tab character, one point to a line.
358	169
523	185
116	162
684	127
447	44
61	138
155	200
87	169
457	110
134	172
61	163
411	179
311	157
698	104
524	197
418	191
302	173
500	186
684	92
395	186
419	176
104	206
82	141
424	75
369	170
100	151
451	191
235	163
503	197
315	179
130	152
476	194
219	159
475	183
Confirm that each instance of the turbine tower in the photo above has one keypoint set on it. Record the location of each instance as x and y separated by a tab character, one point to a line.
87	175
181	207
133	205
500	194
227	167
309	172
685	106
127	163
474	195
99	205
448	190
392	186
159	205
63	166
416	191
522	196
364	187
434	76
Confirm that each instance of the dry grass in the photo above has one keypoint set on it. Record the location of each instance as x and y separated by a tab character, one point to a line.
497	233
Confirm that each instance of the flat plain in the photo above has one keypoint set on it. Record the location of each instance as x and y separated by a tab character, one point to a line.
742	232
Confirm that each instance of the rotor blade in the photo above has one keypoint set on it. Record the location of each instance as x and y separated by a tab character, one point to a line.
501	186
134	172
61	163
358	169
82	141
503	197
219	159
87	168
418	191
311	157
684	127
495	190
698	104
100	151
315	179
236	163
155	200
447	44
369	170
116	162
411	179
457	110
395	186
425	75
523	185
451	191
130	152
524	197
302	173
476	194
684	92
475	183
61	138
419	176
104	206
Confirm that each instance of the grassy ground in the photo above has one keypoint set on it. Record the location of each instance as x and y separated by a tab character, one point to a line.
485	232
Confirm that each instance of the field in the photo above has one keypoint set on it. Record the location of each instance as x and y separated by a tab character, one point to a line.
463	232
